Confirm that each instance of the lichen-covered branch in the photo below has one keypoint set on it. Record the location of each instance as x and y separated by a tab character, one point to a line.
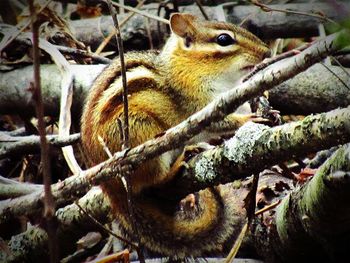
78	184
312	224
256	146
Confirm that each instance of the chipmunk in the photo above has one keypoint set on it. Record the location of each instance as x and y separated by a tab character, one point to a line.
199	61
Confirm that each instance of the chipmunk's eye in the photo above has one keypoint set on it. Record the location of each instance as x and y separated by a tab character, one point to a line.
225	40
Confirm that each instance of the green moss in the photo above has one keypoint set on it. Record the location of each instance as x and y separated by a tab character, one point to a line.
316	199
281	217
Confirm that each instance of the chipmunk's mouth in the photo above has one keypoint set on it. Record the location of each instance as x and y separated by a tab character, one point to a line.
248	68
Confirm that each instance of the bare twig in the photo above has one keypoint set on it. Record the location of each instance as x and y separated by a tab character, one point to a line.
126	142
49	203
198	2
279	57
233	252
340	65
104	146
104	228
132	9
83	53
27	24
111	34
123	74
266	8
149	34
331	71
267	208
251	202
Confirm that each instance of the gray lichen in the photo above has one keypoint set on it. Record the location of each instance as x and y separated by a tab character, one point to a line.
242	144
204	168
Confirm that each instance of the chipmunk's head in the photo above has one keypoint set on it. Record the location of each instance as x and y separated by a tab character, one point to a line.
212	51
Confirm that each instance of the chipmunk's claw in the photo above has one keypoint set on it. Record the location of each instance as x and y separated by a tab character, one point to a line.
192	150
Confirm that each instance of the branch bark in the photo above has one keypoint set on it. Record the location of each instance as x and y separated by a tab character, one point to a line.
10	145
320	88
256	146
315	90
16	98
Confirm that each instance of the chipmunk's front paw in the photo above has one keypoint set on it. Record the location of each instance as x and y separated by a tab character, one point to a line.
192	150
187	154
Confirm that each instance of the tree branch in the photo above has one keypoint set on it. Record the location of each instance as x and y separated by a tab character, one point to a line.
256	146
10	145
312	91
316	90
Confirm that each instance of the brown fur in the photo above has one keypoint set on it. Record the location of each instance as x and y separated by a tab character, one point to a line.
164	89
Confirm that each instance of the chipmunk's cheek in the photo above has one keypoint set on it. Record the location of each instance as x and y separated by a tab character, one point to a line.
227	81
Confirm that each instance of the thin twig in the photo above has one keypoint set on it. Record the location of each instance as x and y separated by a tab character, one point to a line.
70	51
340	65
49	210
334	74
123	74
149	34
83	53
126	142
104	146
120	129
252	202
267	208
233	252
106	229
279	57
198	2
132	9
266	8
111	34
9	41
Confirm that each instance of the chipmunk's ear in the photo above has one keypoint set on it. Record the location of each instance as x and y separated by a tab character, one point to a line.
182	24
